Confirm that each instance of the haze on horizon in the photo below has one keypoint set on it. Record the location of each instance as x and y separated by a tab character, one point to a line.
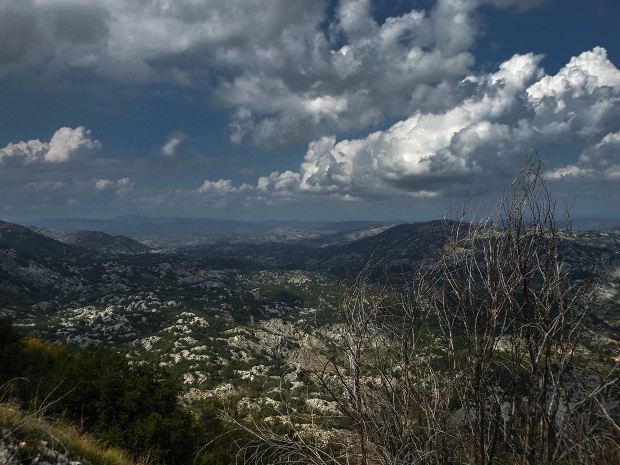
304	109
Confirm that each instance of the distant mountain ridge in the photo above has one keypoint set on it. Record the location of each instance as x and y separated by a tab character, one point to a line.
36	262
94	263
595	224
171	231
396	249
97	240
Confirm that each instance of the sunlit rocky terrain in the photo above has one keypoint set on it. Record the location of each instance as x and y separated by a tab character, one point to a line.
231	309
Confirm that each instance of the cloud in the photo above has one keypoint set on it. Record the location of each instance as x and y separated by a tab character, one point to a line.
288	71
603	157
600	161
46	185
282	185
66	144
19	35
52	191
170	147
356	76
120	187
581	101
478	143
221	188
51	35
301	70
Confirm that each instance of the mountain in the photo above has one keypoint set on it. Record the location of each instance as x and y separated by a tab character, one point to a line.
246	318
42	277
29	243
396	248
96	240
595	224
168	232
33	266
230	308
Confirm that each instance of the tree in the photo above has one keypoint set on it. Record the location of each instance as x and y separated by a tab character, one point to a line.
509	302
134	406
483	360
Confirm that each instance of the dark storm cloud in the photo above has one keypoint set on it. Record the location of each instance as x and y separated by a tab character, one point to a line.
20	35
83	25
50	36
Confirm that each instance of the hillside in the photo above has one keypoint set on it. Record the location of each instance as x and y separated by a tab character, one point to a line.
191	303
28	438
26	242
97	241
240	319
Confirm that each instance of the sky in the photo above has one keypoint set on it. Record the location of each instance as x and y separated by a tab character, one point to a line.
304	109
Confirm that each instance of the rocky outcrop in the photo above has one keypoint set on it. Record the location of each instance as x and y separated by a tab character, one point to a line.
17	449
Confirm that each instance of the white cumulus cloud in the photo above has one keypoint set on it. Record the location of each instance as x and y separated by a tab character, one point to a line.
222	187
478	142
66	144
120	187
599	161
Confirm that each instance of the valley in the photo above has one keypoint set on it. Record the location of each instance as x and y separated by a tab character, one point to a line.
239	317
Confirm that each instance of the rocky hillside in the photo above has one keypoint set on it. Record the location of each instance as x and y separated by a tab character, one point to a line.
235	309
97	241
28	243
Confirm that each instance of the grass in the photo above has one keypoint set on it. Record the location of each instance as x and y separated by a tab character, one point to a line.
31	428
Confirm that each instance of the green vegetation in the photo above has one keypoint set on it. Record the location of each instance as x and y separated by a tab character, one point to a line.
130	406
